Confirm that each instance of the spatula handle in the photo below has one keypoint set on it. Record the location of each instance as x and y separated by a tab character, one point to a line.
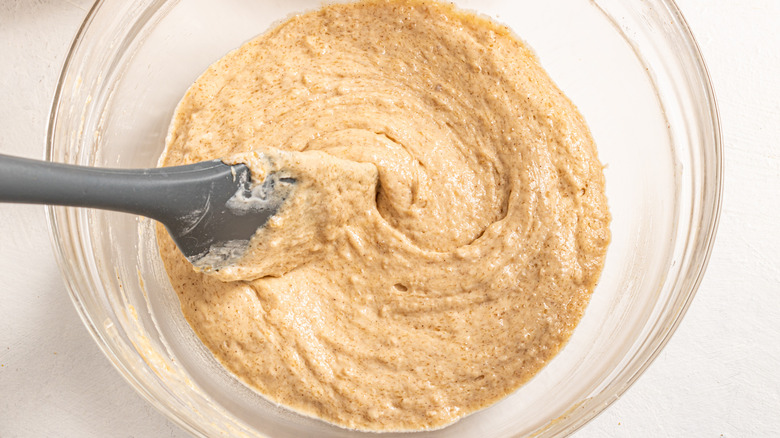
157	193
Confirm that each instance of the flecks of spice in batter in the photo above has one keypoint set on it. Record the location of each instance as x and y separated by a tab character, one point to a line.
448	227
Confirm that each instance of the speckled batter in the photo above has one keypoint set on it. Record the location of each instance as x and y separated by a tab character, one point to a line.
447	228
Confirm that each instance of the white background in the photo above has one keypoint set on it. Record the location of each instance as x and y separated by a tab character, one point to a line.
719	376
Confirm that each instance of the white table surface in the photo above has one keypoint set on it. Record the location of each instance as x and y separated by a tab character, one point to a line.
719	375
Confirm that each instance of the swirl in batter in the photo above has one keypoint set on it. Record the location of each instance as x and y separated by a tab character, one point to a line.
447	229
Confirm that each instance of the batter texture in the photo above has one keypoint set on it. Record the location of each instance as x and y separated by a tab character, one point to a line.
446	230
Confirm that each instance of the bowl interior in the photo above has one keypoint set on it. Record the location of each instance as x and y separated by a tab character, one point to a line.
636	78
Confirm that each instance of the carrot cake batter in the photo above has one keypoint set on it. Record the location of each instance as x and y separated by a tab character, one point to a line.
446	230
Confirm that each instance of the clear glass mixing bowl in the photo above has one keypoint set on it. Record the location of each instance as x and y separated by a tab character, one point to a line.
633	69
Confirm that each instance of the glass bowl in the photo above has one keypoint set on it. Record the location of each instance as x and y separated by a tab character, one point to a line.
633	69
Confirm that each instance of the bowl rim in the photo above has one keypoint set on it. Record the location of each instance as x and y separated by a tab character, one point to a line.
648	352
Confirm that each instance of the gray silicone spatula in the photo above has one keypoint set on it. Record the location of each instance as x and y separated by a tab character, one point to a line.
211	209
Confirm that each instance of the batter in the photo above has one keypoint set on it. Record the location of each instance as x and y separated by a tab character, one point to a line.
446	230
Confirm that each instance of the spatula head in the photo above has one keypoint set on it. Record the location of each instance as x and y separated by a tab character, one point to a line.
217	232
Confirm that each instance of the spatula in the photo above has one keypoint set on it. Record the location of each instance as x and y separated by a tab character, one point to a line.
210	209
